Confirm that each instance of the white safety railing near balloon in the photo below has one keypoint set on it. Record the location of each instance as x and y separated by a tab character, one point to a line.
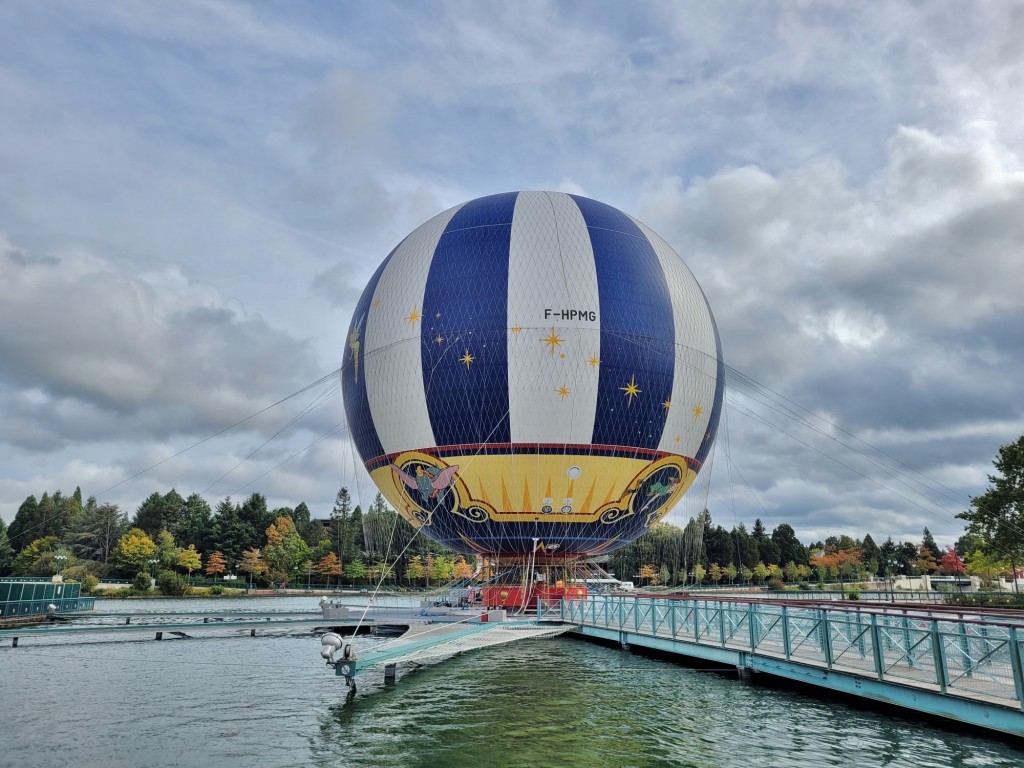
968	658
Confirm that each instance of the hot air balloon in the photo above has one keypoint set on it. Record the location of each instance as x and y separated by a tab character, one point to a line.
533	374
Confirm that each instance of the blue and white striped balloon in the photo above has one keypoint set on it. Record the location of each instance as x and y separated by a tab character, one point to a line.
533	372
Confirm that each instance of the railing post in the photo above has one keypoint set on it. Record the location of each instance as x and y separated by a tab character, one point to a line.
654	617
622	612
941	677
696	622
826	639
721	622
1017	667
750	625
876	647
860	634
672	617
965	649
785	631
906	642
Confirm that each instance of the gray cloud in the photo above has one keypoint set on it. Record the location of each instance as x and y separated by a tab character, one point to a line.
196	199
146	356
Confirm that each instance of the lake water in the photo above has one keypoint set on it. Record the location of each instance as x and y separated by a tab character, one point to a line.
232	700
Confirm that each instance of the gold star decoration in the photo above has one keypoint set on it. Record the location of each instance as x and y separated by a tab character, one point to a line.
594	361
562	392
376	302
467	359
516	329
667	404
439	339
697	410
413	317
677	438
631	389
552	340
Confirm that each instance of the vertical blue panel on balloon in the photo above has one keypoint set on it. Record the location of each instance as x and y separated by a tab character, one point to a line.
353	375
465	374
637	330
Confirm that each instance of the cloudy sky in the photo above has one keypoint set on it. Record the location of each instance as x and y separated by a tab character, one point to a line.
193	194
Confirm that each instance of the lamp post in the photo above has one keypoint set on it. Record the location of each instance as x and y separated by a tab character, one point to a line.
60	559
890	563
152	570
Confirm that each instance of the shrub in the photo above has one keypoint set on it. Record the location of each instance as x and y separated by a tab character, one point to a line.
89	583
216	589
776	584
171	583
853	594
141	581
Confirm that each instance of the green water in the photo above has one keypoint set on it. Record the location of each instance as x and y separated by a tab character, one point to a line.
237	701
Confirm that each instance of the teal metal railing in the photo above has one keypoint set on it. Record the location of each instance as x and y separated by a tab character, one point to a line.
968	657
30	597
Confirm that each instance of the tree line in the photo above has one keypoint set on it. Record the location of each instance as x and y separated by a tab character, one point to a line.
167	533
992	545
65	534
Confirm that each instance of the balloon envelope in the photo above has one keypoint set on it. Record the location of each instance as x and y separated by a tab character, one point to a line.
533	372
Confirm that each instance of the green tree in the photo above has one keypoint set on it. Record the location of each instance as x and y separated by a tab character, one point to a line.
986	568
663	574
718	545
190	560
342	529
699	572
166	549
6	550
96	532
715	573
195	524
731	572
790	548
760	572
231	534
768	551
997	515
928	542
285	551
442	569
27	561
27	521
356	571
415	571
158	512
871	555
255	514
745	552
133	550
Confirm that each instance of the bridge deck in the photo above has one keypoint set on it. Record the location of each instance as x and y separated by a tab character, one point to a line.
963	668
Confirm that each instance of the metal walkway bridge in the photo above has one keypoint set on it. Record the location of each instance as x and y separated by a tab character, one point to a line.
961	666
